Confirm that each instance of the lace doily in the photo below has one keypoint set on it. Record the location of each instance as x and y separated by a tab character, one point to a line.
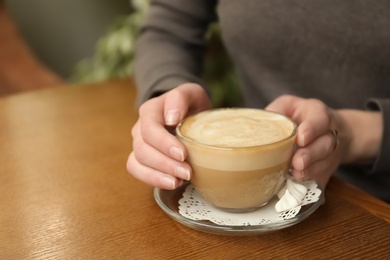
193	206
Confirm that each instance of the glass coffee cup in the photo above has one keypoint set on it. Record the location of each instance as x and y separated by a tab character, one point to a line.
240	157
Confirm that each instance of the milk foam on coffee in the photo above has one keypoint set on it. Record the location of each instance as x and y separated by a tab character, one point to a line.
238	128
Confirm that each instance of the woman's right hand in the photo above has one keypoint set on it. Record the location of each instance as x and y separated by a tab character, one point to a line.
158	156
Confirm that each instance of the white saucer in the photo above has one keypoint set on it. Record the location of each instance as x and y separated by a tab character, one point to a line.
168	200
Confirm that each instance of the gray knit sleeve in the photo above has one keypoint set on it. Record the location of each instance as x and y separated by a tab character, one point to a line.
171	46
382	162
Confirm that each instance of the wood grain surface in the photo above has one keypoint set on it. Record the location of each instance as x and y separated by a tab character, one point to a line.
65	193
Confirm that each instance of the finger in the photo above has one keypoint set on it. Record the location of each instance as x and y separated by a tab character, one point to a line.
175	108
284	104
184	100
151	176
135	130
312	116
152	158
317	150
148	156
177	103
321	171
316	123
152	131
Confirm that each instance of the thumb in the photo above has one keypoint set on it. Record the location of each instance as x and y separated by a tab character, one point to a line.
283	105
179	101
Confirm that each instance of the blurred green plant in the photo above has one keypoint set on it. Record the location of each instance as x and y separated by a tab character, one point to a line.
114	52
114	56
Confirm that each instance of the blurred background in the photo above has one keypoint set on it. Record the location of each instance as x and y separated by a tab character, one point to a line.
93	40
61	33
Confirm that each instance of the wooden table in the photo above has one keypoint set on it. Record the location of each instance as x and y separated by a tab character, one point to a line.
65	193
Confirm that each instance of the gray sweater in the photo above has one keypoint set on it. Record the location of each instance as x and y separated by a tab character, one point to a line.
336	51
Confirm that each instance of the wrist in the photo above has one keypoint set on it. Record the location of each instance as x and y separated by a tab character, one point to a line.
361	132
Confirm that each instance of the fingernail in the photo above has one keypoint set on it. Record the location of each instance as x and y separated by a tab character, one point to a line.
168	182
298	175
304	161
182	173
177	153
172	117
180	182
303	142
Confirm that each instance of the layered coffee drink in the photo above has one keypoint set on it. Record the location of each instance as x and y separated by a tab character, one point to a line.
239	156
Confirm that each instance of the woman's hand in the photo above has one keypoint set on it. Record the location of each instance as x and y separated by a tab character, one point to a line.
158	156
319	151
316	157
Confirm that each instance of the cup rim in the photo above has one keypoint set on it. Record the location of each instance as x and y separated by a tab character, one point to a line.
216	147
